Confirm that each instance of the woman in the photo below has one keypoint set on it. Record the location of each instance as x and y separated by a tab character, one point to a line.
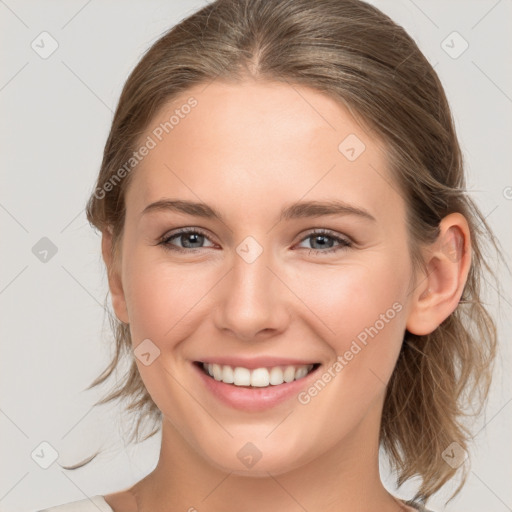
293	260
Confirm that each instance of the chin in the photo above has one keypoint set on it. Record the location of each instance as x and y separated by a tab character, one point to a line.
275	463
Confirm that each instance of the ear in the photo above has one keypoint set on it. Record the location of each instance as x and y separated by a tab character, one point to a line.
448	261
114	277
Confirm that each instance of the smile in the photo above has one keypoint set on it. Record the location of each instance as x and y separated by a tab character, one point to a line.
257	377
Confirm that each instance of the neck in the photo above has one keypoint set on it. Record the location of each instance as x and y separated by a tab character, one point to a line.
343	479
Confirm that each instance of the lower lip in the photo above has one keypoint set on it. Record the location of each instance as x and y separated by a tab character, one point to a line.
254	399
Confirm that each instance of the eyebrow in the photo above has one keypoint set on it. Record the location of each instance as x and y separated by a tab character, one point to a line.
297	210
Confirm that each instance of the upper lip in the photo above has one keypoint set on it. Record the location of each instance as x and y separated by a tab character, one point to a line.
256	362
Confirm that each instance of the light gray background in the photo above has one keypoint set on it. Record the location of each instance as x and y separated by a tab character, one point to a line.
56	114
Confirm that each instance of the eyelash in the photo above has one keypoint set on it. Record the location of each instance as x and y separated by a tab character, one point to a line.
345	243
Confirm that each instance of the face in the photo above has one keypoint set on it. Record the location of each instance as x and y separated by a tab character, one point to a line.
256	288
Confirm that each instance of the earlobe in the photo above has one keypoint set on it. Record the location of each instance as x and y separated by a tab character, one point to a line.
114	277
448	261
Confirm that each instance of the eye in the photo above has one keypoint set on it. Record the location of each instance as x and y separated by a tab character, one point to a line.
321	239
191	238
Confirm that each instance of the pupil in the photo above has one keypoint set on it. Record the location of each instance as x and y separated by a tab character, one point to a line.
321	237
190	238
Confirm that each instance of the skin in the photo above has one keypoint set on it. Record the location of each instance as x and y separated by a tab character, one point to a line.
248	149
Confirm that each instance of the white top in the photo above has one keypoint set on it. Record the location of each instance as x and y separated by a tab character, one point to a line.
98	503
93	504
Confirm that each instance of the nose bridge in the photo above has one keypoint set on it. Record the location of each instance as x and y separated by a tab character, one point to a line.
251	301
250	268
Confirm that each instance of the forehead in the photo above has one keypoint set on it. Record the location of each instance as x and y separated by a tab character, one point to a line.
246	143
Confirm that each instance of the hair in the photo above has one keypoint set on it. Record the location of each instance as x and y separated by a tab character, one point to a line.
352	52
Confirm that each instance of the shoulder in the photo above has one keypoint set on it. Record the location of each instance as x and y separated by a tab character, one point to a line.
417	506
93	504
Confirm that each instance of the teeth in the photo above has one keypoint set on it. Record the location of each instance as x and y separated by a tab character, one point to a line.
228	375
259	377
217	372
289	374
242	377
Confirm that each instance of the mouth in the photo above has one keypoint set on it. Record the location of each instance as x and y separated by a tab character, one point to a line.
263	377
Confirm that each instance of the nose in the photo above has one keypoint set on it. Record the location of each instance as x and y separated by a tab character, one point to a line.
253	302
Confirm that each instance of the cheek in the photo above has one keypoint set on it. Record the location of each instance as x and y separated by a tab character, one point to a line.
351	298
161	297
363	307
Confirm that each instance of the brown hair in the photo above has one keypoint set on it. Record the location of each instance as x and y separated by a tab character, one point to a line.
351	51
